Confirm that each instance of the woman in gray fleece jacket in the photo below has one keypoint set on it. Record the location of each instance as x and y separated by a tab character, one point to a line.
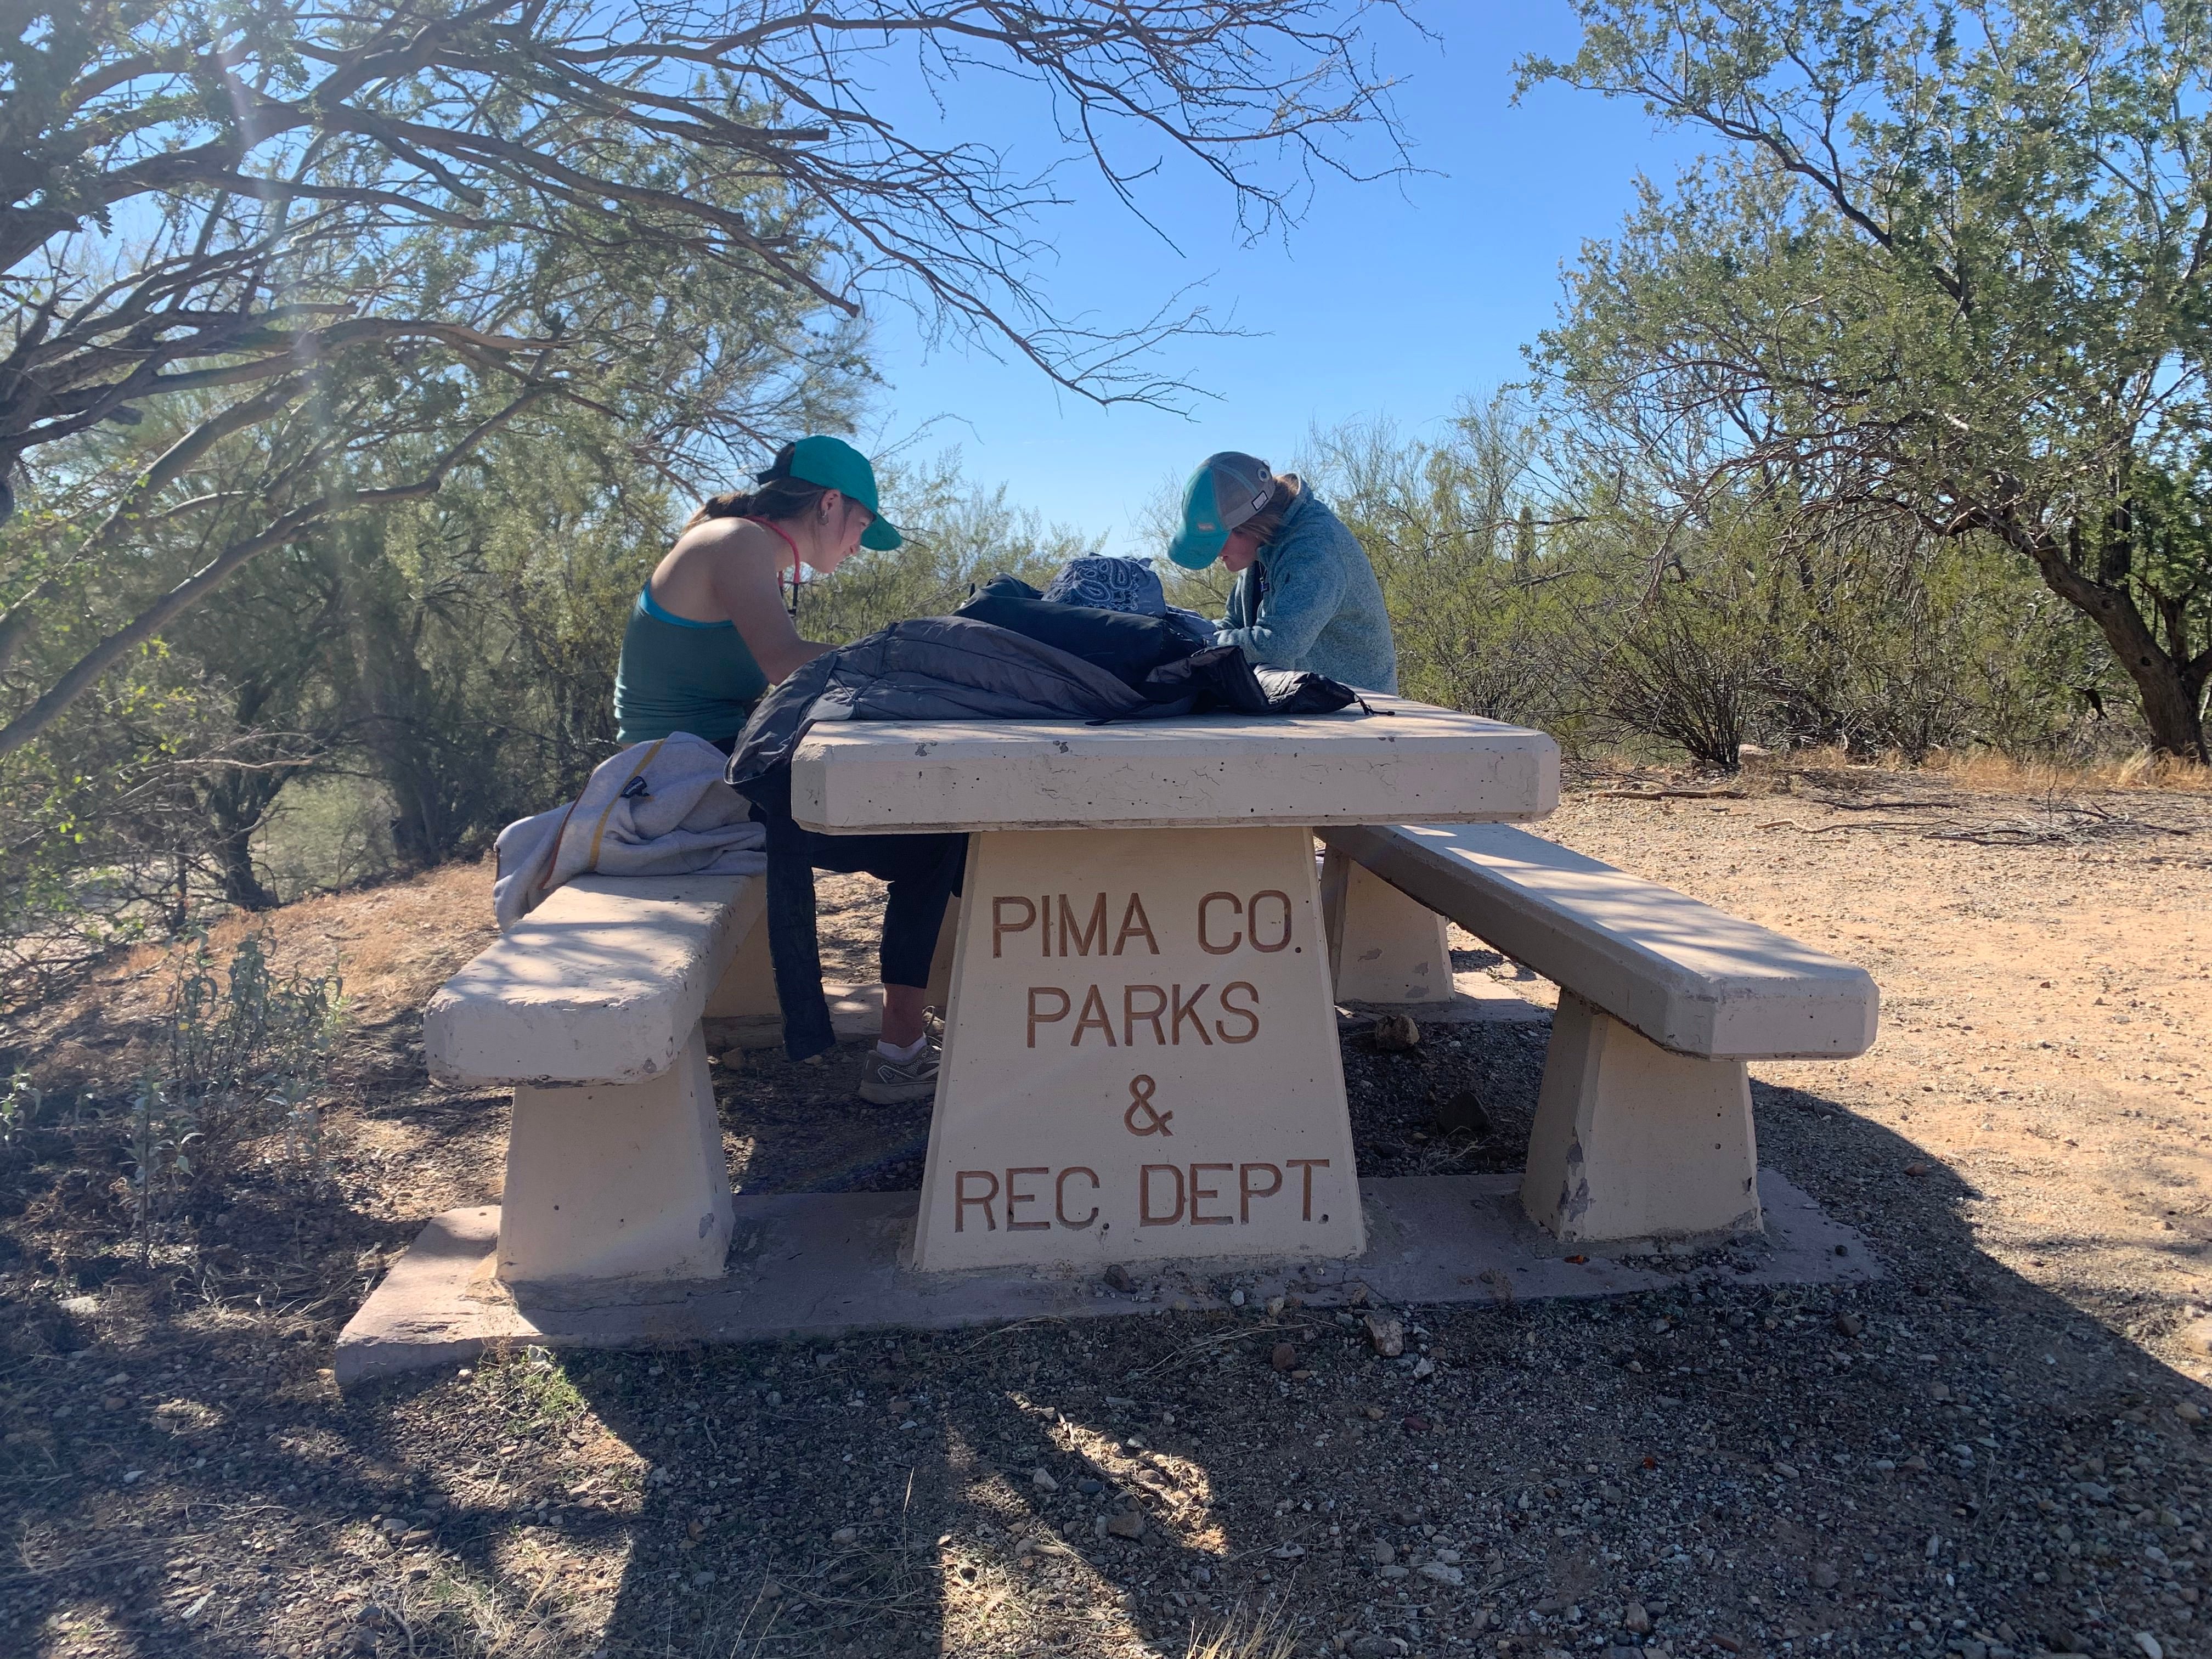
1305	595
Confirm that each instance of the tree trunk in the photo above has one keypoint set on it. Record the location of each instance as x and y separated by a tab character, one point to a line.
2170	691
235	806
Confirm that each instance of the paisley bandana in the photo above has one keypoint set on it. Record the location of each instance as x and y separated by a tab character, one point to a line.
1110	584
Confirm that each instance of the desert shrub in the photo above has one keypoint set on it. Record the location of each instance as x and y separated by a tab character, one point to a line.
245	1054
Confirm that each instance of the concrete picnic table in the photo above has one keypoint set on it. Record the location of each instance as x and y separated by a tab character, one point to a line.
1141	1060
1140	1056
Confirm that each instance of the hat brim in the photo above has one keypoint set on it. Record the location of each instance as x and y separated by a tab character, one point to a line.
881	535
1194	549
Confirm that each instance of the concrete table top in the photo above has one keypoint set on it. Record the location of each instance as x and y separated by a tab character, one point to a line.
1412	763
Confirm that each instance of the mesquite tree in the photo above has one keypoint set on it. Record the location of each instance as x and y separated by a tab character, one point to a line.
361	239
1953	264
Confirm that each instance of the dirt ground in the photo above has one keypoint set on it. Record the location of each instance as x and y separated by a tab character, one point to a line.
2000	1447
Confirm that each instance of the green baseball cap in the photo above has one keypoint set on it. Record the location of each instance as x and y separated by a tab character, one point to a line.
836	464
1225	492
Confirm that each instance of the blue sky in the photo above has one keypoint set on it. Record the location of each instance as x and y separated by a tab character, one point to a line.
1394	299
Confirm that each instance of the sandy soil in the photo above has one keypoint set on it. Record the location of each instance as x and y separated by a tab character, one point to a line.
2000	1448
2046	967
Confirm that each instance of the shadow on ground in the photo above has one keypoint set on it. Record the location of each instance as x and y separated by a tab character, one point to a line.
1949	1460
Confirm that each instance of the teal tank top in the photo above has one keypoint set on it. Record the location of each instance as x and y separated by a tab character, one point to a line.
679	675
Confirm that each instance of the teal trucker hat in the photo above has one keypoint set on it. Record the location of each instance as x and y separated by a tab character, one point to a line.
1225	492
836	464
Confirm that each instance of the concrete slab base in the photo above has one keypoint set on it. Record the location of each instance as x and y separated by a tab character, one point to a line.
823	1264
855	1011
1476	999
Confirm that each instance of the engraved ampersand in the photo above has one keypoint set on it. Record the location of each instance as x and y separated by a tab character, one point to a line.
1140	1100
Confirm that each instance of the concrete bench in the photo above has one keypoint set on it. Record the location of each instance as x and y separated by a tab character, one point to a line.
591	1008
598	1009
1643	1125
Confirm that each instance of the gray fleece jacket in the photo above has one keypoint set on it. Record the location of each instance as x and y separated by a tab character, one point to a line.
1312	601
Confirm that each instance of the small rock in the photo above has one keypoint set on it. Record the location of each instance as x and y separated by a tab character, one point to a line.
1938	1392
2094	1492
1825	1576
732	1059
844	1534
2189	1411
1371	1647
1395	1033
1126	1523
1355	1294
1089	1488
1388	1333
701	1580
1381	1552
1916	1463
1393	1573
1236	1298
1635	1620
1416	1424
1374	1414
770	1590
1117	1279
1043	1480
1285	1358
1848	1324
1444	1572
1915	1168
1424	1367
2148	1645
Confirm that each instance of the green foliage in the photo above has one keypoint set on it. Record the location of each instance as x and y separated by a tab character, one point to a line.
532	1388
1952	277
1477	604
19	1106
956	535
1590	606
247	1054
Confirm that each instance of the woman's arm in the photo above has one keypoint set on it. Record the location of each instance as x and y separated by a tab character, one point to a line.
1305	584
744	564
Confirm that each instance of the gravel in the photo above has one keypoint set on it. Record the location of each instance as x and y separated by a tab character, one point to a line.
1957	1459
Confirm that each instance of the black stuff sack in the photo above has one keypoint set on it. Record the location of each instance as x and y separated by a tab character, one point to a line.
1219	679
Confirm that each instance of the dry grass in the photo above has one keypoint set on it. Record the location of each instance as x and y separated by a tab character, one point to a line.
1986	771
1262	1636
2142	770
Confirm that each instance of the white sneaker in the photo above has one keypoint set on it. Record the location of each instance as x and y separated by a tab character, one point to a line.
888	1082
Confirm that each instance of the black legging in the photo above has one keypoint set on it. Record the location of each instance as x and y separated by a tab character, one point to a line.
923	873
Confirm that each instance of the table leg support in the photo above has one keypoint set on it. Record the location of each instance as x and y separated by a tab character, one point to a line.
1382	946
1633	1142
1141	1056
617	1181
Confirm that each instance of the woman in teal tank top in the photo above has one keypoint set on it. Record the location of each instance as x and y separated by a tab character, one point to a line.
710	631
708	635
679	675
